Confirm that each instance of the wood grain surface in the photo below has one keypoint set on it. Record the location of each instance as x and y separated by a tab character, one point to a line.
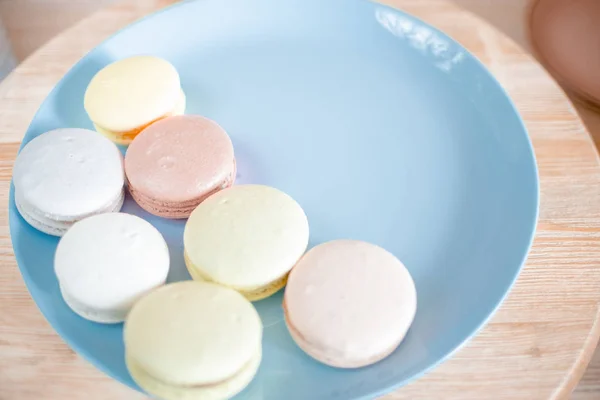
536	347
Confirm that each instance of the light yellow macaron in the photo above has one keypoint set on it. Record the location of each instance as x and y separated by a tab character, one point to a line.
246	237
193	340
126	96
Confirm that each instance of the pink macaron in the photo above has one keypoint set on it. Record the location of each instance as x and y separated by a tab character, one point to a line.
177	162
349	304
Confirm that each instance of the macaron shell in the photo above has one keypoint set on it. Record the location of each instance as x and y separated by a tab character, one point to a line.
193	334
179	159
132	92
265	291
93	314
68	174
246	237
349	303
177	210
125	138
105	263
254	294
326	356
58	227
222	390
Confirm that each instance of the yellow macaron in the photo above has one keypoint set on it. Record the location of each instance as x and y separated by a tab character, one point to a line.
193	340
246	237
128	95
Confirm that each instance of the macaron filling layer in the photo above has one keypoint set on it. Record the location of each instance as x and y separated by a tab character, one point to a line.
219	390
177	210
58	225
252	294
126	137
329	356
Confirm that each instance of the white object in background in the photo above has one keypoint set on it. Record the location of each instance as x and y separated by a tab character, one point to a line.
7	59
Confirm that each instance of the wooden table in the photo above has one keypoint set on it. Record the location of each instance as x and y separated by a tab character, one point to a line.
536	347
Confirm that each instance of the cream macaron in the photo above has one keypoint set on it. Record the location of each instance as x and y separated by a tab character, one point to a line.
193	340
247	237
105	263
65	175
128	95
349	304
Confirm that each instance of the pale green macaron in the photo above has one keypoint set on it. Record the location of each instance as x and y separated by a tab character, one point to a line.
246	237
193	340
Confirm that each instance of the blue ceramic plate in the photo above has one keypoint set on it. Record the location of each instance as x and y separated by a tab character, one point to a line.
383	129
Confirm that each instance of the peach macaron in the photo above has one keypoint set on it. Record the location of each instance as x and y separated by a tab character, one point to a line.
176	163
349	304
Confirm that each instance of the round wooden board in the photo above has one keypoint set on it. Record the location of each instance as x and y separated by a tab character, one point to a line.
537	345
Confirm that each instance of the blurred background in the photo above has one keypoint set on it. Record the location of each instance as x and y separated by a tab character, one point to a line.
25	25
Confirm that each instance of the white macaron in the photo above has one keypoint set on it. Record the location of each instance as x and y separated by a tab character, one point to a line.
105	263
65	175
